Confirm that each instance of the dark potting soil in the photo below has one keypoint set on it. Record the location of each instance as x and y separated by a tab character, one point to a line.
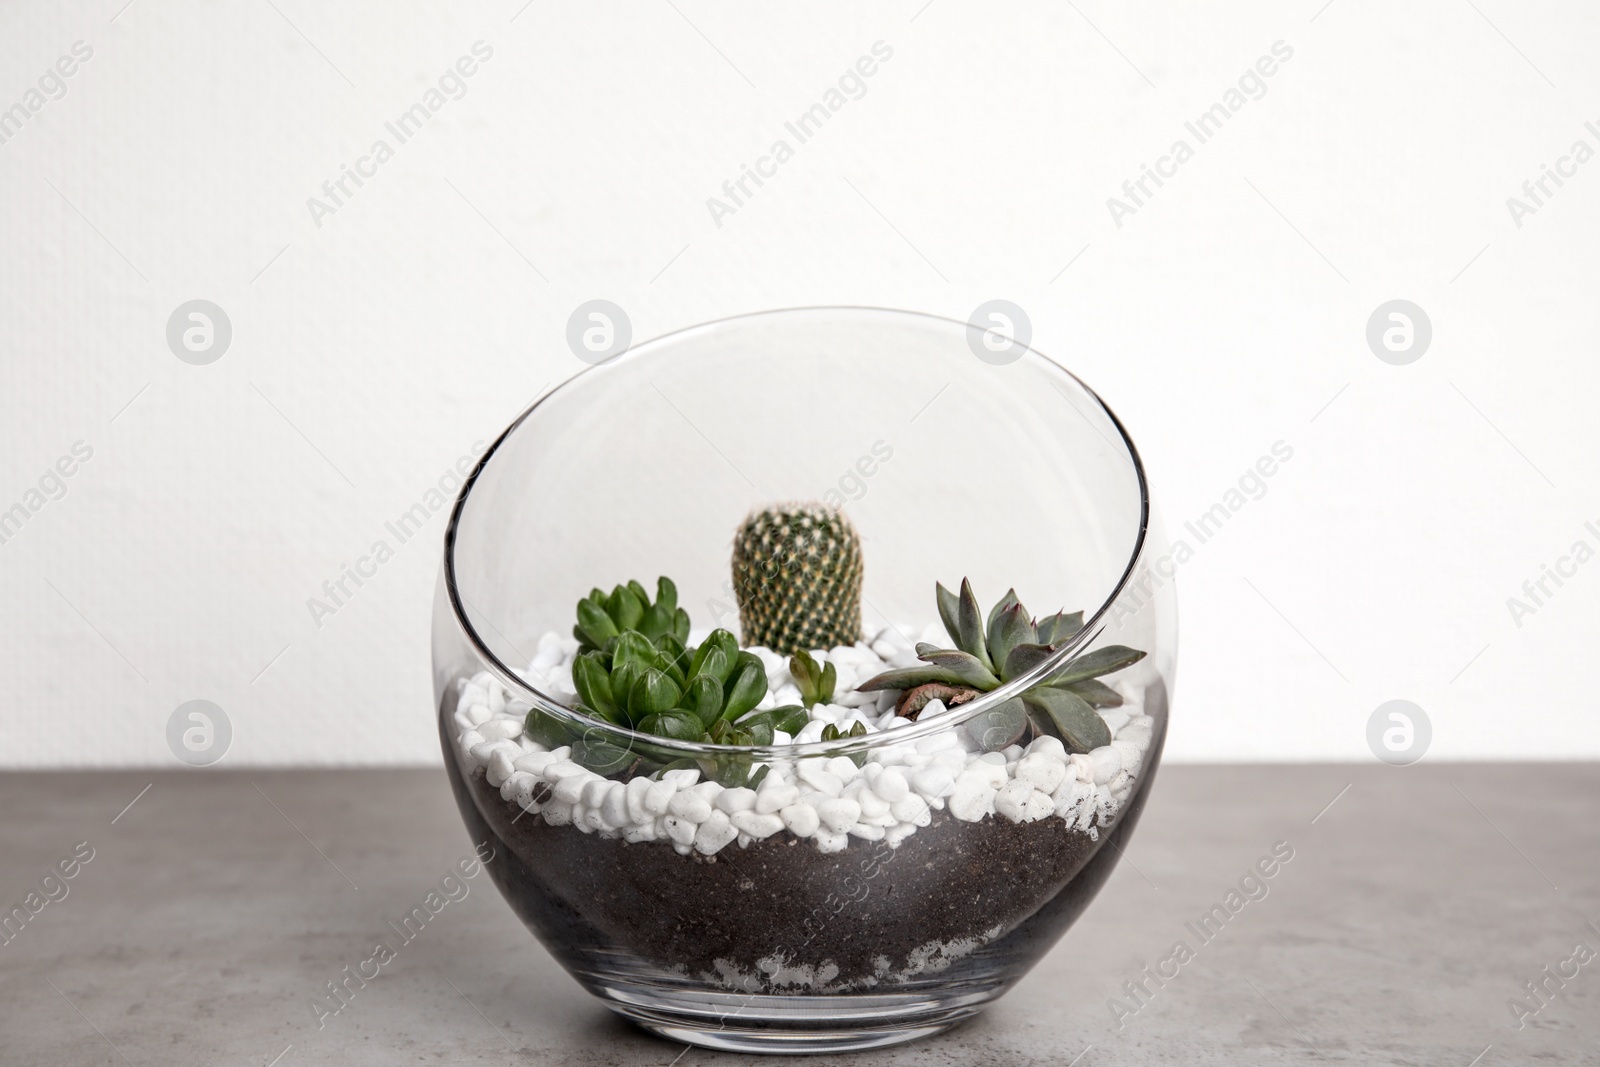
863	917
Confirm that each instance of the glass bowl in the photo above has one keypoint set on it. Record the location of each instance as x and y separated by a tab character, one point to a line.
941	857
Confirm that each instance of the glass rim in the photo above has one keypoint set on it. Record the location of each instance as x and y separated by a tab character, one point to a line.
923	726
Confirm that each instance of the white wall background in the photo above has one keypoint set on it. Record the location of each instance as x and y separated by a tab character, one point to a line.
370	352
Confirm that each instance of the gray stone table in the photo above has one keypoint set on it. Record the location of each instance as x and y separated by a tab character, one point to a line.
1418	903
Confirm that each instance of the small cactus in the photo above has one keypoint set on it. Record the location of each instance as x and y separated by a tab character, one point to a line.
797	577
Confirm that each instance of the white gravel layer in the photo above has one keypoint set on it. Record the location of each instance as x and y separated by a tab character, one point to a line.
826	801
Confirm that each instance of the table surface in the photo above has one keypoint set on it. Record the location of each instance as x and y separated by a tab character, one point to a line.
1418	903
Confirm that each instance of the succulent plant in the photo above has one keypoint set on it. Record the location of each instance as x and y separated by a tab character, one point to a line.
797	577
816	684
602	617
636	672
992	651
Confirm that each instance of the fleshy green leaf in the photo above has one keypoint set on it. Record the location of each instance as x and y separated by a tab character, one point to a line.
595	625
623	676
703	697
652	693
1009	629
545	729
683	725
1025	658
680	625
1059	627
667	594
949	612
599	754
625	607
593	682
631	646
716	655
656	622
789	718
745	688
969	623
816	684
994	613
965	668
1094	664
907	678
1097	693
1082	729
999	727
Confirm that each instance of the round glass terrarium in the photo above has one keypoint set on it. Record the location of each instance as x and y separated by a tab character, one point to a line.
879	861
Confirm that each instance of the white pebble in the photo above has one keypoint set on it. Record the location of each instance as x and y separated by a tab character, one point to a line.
939	742
714	833
570	789
871	803
839	814
522	786
562	769
1045	745
732	800
814	772
891	785
500	768
639	833
843	768
1132	754
775	797
756	824
1010	799
911	809
801	819
614	806
691	806
501	729
682	778
681	831
1082	766
557	813
635	792
867	831
658	796
533	762
1107	762
934	781
828	841
973	796
1042	772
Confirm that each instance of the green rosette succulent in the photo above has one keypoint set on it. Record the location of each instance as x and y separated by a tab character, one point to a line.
991	651
635	671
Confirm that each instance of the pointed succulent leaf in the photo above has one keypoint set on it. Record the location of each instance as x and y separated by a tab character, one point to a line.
703	698
1081	727
829	683
790	718
623	675
716	655
745	687
1007	630
1060	626
1025	658
994	613
998	727
631	646
595	626
969	624
652	693
1095	692
949	611
667	594
1094	664
639	591
656	622
805	672
593	682
545	729
908	678
624	607
597	752
683	725
680	626
966	668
